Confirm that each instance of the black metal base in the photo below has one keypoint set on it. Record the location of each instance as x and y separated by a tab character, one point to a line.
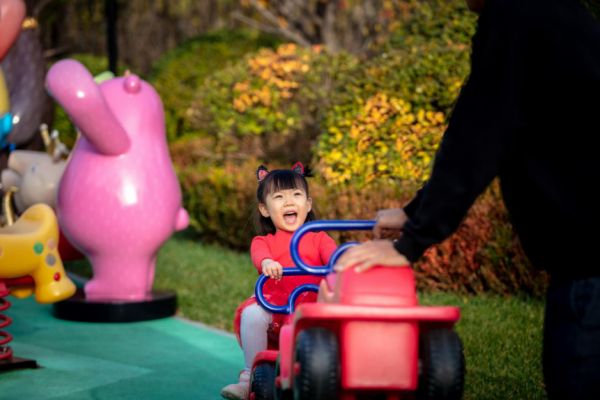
17	363
78	308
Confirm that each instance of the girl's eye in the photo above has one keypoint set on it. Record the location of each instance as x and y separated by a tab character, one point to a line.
277	196
298	194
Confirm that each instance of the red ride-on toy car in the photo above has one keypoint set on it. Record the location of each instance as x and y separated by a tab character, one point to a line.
366	337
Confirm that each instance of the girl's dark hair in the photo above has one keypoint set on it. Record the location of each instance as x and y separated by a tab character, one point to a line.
278	179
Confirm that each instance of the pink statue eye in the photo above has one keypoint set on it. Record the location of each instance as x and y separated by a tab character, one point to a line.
132	84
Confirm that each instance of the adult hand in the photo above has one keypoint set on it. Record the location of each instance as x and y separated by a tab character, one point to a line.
389	219
370	254
272	269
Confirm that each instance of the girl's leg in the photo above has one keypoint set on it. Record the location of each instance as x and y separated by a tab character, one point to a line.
253	333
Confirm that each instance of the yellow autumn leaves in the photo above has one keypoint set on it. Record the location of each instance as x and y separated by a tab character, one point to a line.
276	75
385	139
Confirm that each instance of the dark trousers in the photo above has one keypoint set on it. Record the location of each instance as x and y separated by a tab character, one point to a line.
571	354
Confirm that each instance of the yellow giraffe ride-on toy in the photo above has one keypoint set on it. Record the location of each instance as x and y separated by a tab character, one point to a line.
29	247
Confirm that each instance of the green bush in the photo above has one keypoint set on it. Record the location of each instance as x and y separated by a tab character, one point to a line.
270	104
389	119
427	75
218	195
378	139
429	54
180	73
425	21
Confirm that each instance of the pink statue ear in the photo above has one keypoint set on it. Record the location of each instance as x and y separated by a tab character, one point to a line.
71	84
12	13
298	168
261	173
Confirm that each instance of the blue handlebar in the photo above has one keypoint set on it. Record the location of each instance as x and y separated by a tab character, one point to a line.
289	307
305	269
338	252
323	226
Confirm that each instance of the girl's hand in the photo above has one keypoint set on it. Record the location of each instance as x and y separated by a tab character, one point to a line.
370	254
389	219
272	269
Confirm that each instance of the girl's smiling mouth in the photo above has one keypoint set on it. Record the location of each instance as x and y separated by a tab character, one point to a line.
290	217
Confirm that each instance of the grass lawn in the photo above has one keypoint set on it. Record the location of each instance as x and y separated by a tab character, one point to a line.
501	335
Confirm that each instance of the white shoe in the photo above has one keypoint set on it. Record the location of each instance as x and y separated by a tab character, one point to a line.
240	390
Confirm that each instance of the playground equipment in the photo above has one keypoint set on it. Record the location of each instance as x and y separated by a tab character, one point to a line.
36	175
366	336
119	199
12	13
29	264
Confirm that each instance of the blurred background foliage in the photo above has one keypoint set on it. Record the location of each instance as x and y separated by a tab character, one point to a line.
361	90
179	73
145	29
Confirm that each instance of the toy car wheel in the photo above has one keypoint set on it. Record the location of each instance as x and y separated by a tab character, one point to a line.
263	382
317	356
443	365
281	394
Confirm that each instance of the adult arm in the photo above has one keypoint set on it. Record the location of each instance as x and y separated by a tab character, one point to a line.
479	134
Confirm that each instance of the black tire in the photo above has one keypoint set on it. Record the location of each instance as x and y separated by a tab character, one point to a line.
279	393
263	382
317	354
443	366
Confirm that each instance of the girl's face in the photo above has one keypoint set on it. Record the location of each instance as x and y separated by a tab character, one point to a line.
287	208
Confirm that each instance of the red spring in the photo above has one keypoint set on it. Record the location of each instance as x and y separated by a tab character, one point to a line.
5	337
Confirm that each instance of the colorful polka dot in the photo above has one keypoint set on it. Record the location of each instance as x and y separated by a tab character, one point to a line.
57	276
38	248
51	244
50	260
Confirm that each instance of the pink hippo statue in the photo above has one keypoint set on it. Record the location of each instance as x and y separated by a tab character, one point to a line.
119	199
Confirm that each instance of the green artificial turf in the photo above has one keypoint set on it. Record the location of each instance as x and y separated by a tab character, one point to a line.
162	359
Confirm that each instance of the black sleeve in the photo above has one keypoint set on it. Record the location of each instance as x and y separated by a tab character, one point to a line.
478	135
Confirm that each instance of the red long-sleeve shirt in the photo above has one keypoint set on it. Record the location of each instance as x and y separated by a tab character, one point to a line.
315	249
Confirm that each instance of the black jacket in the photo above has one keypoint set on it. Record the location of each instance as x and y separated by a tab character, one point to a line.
529	114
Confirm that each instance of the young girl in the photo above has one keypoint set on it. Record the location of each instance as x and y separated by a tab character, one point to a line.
284	204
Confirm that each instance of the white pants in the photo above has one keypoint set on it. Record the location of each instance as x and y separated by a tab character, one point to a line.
253	332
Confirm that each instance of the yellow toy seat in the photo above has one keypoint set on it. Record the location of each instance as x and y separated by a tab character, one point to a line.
30	247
